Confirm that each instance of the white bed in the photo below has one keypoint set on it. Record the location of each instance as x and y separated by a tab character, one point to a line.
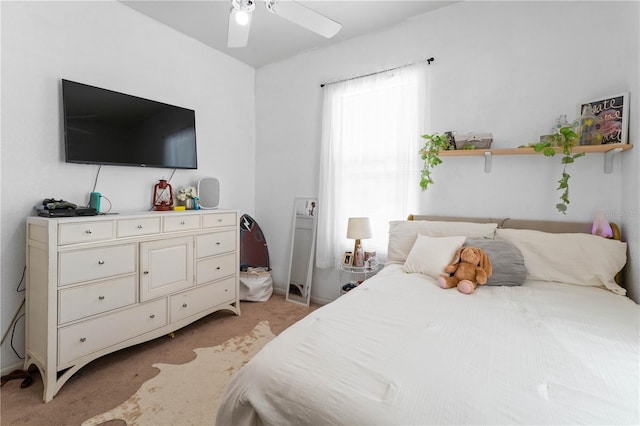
399	350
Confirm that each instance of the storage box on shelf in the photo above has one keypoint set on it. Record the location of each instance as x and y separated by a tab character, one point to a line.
473	141
99	284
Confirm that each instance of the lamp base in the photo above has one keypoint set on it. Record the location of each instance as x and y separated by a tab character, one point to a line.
355	254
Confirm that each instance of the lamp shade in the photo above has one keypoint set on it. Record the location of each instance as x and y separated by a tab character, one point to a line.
359	228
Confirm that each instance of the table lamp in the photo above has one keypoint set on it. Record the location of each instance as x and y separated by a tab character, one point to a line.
358	228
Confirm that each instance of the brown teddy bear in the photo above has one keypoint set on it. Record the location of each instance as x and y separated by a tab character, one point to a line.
470	266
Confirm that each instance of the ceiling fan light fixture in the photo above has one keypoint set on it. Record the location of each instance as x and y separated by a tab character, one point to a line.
241	11
242	17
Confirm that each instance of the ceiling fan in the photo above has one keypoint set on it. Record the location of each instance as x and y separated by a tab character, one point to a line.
240	19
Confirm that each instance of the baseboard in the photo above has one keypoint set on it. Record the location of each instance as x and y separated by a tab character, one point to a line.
320	301
316	300
11	368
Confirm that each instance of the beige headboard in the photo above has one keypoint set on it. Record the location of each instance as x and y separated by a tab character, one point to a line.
537	225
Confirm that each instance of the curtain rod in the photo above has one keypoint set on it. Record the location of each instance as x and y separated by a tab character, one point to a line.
428	61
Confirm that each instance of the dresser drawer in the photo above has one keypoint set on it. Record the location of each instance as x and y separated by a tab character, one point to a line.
215	243
213	268
89	336
96	263
80	302
218	220
81	232
181	223
141	226
191	302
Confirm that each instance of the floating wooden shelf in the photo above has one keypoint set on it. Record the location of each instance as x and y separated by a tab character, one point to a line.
609	150
527	151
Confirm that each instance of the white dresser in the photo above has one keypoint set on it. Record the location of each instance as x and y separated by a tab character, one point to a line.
102	283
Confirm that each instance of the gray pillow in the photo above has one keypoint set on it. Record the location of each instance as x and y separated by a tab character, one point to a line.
506	260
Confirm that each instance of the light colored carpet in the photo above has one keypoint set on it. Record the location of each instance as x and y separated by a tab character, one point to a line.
189	394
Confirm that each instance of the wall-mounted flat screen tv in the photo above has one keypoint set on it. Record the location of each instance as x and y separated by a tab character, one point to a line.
106	127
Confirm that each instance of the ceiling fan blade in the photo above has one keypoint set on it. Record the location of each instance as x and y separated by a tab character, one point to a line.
305	17
238	35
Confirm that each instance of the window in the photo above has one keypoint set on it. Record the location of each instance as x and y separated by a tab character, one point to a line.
369	157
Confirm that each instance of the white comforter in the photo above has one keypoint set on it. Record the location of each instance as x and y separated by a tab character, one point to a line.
399	350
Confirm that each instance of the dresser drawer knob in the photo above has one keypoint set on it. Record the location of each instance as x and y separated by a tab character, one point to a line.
83	339
100	262
100	297
218	243
152	316
219	220
89	231
140	226
146	272
184	305
217	268
182	222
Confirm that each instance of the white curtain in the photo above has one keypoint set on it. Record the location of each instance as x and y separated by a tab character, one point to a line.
369	160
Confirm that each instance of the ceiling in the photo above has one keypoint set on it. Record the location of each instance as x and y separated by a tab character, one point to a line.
273	38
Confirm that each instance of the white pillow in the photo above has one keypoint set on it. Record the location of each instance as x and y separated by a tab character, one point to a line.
430	255
575	258
403	233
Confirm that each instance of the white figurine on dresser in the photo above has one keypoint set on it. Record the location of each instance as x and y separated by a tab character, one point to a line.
102	283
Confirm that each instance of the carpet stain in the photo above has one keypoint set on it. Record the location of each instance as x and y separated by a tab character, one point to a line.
189	394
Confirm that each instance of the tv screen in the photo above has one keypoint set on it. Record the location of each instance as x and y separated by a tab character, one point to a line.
106	127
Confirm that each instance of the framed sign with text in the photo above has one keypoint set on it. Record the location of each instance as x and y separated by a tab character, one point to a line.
612	115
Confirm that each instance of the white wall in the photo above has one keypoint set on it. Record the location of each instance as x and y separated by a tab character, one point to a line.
109	45
629	215
499	67
509	68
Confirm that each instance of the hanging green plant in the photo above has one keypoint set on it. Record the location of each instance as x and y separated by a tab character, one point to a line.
566	138
429	153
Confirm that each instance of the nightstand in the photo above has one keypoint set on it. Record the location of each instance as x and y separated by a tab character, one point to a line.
355	275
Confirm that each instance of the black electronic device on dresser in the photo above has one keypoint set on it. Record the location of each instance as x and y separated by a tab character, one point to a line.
59	208
106	127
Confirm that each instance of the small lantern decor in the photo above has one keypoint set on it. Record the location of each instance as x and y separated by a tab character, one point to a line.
162	196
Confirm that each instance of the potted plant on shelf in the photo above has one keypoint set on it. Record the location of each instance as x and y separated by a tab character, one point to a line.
429	153
565	138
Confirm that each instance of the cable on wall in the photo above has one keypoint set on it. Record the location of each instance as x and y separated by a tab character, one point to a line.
16	317
428	61
95	182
